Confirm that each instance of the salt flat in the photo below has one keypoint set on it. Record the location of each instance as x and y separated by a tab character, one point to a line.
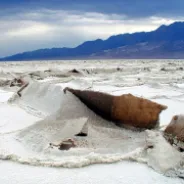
22	117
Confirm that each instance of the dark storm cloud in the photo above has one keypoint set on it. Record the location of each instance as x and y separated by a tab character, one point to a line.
132	8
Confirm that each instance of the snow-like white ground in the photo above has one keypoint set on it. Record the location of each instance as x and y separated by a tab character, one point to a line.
18	117
118	173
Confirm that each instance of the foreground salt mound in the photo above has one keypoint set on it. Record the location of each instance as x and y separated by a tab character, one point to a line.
102	145
105	143
72	118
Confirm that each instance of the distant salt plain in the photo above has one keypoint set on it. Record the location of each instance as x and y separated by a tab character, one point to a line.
159	80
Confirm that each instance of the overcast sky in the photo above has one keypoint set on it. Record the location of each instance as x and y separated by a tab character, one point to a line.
27	25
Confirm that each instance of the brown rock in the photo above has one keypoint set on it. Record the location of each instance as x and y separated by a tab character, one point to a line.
125	110
136	112
176	128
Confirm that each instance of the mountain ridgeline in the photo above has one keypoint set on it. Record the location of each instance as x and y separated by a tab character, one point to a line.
164	42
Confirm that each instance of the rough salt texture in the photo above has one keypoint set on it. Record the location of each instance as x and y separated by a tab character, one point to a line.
141	78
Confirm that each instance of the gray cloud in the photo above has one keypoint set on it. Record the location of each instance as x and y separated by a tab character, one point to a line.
45	28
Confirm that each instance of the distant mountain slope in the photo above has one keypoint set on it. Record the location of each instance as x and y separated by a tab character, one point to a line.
146	50
164	42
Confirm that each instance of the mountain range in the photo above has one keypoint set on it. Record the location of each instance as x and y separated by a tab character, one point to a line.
164	42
